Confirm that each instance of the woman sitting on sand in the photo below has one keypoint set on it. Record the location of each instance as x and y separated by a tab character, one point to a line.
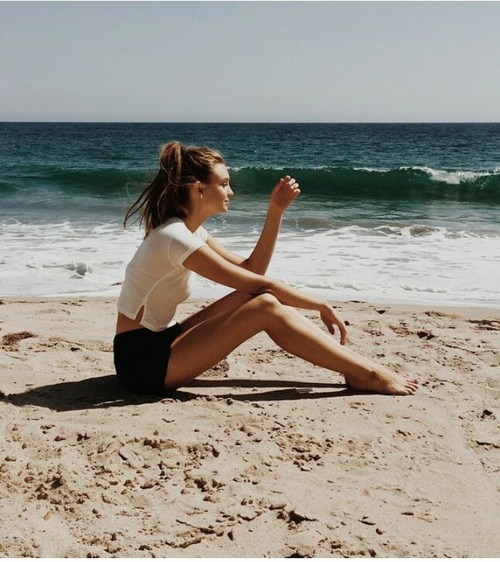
152	352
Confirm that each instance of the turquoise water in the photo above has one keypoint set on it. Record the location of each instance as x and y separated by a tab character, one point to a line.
388	212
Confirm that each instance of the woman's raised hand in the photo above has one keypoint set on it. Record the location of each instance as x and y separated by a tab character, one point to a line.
284	193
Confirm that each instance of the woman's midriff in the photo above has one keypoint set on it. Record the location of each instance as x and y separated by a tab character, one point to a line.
125	324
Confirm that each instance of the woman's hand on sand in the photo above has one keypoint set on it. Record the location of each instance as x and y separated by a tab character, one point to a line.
284	193
331	319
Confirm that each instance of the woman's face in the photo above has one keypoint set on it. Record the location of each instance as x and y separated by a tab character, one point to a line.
217	193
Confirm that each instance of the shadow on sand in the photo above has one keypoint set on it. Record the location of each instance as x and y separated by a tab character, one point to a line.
106	392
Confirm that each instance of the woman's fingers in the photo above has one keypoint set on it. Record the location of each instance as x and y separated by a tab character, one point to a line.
331	320
290	182
285	192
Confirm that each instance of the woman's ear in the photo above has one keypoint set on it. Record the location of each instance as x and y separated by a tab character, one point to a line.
199	188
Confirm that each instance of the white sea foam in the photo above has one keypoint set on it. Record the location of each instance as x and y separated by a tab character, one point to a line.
370	169
64	258
388	263
406	264
452	177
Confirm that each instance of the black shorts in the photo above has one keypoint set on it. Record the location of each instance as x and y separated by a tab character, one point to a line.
141	358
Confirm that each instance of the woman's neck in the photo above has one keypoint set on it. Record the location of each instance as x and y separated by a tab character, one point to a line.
193	221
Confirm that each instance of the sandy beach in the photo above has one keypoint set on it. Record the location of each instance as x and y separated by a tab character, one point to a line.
264	456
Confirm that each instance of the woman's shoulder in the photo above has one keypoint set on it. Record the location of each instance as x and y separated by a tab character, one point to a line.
171	224
175	228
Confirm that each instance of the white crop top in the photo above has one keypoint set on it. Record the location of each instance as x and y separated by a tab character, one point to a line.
156	278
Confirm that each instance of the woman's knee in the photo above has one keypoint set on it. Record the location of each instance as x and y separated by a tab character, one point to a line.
267	305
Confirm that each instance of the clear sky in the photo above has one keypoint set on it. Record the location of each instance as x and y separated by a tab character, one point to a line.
250	61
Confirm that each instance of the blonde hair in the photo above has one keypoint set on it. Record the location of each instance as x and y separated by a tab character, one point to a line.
167	195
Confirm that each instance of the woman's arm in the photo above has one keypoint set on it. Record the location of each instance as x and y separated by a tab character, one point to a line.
282	196
284	193
208	263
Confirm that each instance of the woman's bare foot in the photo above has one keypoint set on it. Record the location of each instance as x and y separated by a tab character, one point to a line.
383	382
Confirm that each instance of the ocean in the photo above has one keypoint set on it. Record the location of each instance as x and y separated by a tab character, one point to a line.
401	213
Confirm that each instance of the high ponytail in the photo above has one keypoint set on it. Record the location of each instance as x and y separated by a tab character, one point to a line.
167	195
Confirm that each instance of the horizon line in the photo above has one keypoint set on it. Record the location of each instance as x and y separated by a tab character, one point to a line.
125	122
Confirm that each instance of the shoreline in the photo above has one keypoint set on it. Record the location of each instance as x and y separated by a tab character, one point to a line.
398	305
264	455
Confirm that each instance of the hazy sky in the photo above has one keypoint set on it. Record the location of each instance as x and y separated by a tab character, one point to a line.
250	61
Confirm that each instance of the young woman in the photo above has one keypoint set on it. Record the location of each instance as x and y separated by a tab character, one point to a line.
152	352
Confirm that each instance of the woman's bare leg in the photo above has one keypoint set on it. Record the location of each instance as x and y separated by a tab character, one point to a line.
224	306
214	337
